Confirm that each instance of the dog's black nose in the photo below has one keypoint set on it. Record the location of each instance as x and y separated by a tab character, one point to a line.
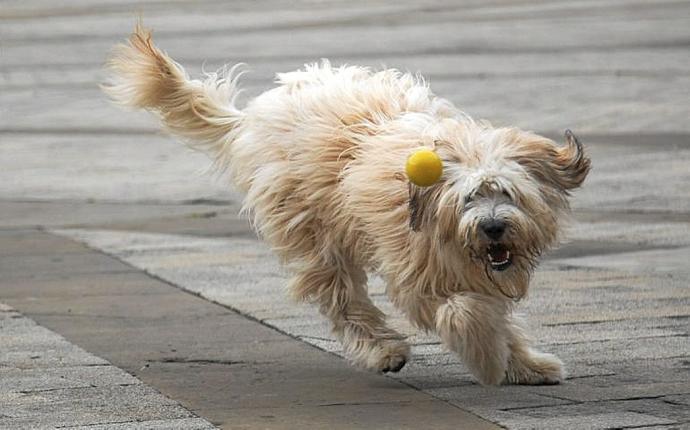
493	228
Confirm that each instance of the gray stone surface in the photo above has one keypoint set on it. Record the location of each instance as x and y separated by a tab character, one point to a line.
105	168
47	382
613	303
234	371
595	67
176	424
622	333
33	214
606	420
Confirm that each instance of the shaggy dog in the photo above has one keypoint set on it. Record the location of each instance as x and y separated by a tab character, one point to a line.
321	158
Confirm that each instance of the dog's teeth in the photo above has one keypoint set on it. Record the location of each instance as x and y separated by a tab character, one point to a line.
499	263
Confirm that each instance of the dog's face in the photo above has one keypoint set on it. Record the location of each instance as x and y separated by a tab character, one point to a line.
501	202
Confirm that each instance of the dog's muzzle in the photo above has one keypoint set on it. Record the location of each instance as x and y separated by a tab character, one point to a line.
499	257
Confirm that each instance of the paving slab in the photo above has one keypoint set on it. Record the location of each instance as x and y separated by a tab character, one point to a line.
48	382
589	422
33	214
176	424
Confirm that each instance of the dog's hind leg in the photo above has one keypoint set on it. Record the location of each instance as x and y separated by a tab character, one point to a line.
527	366
475	327
340	291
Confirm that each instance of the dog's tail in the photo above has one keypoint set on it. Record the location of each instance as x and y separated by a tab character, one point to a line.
201	112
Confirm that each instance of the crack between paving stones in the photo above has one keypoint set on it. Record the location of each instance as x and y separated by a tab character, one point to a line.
400	402
79	387
99	424
517	408
551	396
580	342
649	425
569	378
316	338
569	323
613	399
200	361
671	402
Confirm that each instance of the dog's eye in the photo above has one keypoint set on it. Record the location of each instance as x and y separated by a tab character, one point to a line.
468	199
507	194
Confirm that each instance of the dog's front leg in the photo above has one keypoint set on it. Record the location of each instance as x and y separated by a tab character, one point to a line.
342	297
475	327
527	366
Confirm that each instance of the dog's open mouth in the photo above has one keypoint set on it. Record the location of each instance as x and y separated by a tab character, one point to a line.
499	257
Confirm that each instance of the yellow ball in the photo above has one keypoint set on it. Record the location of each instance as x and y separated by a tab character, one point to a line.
424	167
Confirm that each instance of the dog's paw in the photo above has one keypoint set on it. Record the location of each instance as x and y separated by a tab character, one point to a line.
387	356
491	372
535	369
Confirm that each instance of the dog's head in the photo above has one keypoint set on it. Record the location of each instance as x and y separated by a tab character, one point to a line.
501	202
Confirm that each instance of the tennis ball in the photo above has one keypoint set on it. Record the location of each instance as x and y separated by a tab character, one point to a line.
424	167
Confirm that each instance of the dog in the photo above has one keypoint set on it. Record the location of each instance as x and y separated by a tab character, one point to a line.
321	159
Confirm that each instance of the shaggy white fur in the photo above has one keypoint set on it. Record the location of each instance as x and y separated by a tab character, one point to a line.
321	159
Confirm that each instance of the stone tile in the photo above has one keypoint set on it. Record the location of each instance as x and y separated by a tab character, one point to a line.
26	345
427	378
504	397
385	416
35	214
653	261
49	266
46	379
662	407
623	350
77	285
650	406
104	176
294	382
18	243
634	234
608	330
92	405
582	392
640	372
586	422
176	424
157	306
46	382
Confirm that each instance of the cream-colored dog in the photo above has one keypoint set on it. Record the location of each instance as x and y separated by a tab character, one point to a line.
321	158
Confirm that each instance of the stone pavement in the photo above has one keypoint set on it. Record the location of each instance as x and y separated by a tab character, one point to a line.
203	358
106	226
47	382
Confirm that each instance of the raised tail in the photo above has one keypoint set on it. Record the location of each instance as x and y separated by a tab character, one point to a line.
201	112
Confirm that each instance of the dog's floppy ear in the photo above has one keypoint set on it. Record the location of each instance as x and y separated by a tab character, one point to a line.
572	163
416	205
564	167
420	204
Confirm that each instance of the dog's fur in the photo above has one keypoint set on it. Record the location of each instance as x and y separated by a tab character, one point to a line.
321	159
